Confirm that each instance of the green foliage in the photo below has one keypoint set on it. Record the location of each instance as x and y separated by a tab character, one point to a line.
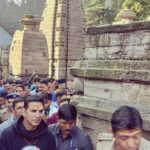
11	13
96	13
140	7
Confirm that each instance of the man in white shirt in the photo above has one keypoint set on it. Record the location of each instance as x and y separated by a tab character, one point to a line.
126	124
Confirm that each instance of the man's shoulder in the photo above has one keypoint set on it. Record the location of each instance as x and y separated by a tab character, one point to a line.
5	125
105	141
81	135
83	139
7	131
80	132
105	145
145	144
53	128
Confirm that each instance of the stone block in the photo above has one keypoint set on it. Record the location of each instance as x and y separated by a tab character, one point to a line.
109	53
78	84
107	85
90	53
95	92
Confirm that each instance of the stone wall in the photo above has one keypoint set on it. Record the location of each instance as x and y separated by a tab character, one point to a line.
4	51
63	27
115	72
128	42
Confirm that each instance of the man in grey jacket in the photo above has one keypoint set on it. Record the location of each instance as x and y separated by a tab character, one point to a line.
67	135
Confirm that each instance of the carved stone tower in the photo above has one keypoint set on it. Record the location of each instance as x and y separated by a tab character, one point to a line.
63	27
28	50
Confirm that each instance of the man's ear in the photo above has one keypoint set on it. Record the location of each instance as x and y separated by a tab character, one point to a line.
23	112
111	131
13	110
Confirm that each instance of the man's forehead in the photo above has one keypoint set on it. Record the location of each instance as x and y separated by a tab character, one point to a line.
19	103
10	99
129	131
18	88
67	121
35	105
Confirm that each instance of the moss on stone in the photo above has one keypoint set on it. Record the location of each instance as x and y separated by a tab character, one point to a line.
136	71
123	28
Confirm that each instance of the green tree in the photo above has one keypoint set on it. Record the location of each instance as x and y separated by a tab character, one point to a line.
140	7
96	13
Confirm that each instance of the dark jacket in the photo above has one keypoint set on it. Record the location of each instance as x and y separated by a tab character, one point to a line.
16	137
77	140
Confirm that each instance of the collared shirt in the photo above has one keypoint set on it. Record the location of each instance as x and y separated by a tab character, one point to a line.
34	92
110	145
77	140
53	110
55	105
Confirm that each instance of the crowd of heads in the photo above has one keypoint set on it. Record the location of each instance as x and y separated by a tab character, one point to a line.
35	99
35	89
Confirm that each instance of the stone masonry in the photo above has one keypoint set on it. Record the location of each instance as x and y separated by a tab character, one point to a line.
28	50
115	72
4	71
63	27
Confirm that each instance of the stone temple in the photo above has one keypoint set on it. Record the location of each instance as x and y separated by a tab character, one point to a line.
28	50
59	41
63	27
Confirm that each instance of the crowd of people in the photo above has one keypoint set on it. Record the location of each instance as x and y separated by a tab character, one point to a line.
49	89
28	108
38	115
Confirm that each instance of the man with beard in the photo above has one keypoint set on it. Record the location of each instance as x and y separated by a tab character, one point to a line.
126	124
30	131
67	135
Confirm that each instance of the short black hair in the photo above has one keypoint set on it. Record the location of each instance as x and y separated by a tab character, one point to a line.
47	96
32	98
44	81
8	81
37	79
3	92
21	86
126	117
17	100
25	84
61	93
50	79
18	82
67	112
